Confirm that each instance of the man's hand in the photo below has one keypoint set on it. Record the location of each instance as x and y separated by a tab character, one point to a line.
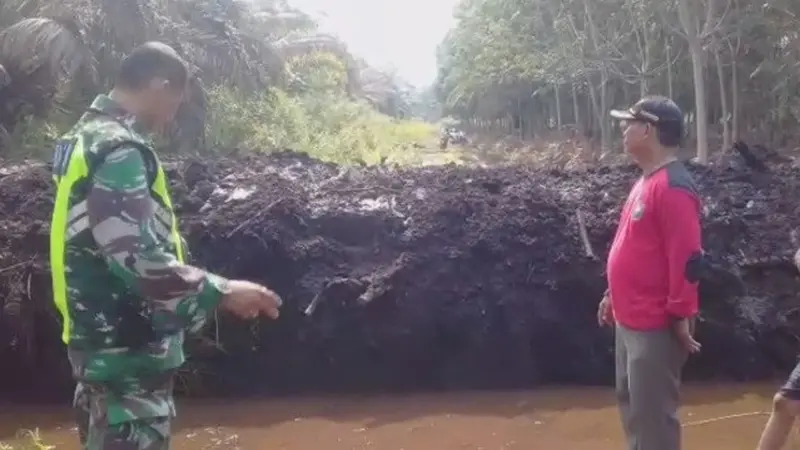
605	316
684	328
249	300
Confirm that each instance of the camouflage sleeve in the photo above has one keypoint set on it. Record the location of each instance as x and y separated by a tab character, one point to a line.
123	219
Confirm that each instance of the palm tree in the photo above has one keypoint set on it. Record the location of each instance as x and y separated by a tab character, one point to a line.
46	44
37	58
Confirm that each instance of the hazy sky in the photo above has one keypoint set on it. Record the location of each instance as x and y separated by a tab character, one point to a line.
395	33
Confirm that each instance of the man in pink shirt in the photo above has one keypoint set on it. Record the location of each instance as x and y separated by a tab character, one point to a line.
652	297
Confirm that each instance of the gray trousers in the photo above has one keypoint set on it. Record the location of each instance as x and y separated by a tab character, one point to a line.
648	367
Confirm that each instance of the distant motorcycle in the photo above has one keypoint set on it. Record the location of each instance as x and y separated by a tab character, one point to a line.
443	142
454	137
458	138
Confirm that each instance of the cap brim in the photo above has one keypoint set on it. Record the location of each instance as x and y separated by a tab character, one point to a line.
622	115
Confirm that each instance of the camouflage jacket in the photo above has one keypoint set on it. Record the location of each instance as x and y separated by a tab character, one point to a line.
129	298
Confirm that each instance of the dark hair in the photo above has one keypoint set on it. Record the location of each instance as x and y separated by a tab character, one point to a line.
150	61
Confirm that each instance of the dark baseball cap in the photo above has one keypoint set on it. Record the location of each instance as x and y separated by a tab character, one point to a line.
662	113
655	110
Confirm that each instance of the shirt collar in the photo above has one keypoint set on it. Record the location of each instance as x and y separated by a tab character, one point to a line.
105	104
663	164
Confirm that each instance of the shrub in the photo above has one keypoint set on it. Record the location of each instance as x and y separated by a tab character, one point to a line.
327	126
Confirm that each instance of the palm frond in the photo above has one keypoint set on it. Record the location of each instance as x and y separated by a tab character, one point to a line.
34	44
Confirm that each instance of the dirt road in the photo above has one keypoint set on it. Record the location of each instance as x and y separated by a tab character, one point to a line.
715	418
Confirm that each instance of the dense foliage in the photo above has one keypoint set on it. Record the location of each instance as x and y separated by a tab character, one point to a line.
530	66
267	57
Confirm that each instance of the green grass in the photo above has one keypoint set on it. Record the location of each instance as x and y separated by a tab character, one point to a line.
325	125
27	440
34	138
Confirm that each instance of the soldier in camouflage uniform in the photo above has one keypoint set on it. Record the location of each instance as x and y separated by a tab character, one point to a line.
120	282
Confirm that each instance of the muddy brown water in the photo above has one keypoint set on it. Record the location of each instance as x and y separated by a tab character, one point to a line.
715	417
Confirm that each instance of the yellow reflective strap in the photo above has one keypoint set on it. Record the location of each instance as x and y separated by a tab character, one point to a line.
160	189
76	169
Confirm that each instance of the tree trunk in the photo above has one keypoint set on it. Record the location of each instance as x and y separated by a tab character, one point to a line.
735	109
734	100
723	100
701	114
605	129
593	107
691	26
600	110
670	87
558	108
575	107
645	68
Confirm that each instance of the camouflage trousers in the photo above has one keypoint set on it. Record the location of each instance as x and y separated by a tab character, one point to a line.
136	419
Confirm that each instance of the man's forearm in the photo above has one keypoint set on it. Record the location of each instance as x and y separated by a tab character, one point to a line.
181	296
123	222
